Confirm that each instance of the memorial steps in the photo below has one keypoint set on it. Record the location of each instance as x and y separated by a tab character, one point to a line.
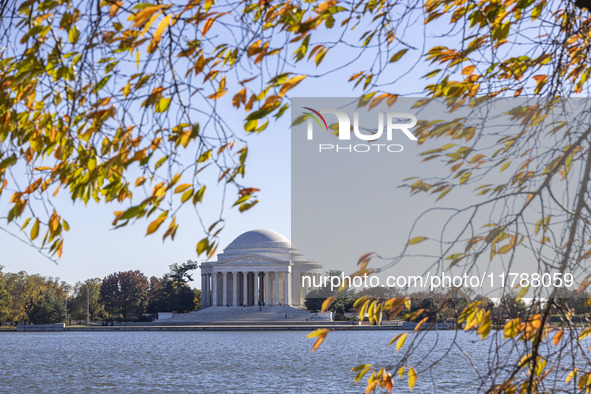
250	314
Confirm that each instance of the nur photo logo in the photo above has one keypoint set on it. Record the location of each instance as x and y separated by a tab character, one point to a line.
389	124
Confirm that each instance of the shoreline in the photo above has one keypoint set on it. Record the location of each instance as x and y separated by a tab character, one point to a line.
211	327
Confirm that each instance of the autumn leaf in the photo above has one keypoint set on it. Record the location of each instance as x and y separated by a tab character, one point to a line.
290	84
416	240
35	230
145	14
156	223
320	334
412	377
160	29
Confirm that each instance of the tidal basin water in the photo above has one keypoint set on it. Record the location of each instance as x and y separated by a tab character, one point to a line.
210	362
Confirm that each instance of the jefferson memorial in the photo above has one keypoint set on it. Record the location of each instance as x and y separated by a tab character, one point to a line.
260	268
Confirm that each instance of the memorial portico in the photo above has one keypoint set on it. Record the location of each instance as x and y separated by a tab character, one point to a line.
260	267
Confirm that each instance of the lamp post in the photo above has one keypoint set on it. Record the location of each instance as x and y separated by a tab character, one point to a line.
87	305
66	288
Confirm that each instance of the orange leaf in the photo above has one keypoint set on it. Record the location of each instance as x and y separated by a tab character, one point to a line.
290	84
208	24
54	222
145	14
156	223
468	70
320	334
557	337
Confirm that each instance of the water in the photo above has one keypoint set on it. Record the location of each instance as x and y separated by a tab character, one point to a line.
208	362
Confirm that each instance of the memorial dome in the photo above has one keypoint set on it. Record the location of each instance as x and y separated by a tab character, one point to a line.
260	238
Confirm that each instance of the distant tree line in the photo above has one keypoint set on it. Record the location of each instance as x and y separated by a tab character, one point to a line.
128	295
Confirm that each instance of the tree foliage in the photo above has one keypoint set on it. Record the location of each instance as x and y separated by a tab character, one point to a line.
47	309
172	292
124	294
5	299
87	294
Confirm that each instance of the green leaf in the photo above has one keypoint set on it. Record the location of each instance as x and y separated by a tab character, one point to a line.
102	83
9	161
198	197
398	55
132	212
160	162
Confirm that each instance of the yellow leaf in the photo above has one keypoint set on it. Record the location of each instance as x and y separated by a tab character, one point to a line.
416	240
512	328
394	339
35	230
407	303
400	372
400	341
202	246
412	377
571	375
186	195
160	29
159	191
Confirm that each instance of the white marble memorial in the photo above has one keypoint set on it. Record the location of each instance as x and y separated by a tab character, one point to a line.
260	267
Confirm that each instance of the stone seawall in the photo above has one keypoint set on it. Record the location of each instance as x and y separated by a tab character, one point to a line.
213	327
41	327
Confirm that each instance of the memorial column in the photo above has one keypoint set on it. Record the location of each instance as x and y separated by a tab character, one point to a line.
234	288
267	298
245	288
214	287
